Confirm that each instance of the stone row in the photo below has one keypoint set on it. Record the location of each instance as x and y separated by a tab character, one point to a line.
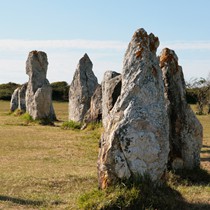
148	125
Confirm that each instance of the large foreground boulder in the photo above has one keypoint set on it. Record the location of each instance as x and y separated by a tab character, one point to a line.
81	89
185	130
111	88
39	92
136	139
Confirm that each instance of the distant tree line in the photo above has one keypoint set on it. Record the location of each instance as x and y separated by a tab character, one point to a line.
59	90
197	92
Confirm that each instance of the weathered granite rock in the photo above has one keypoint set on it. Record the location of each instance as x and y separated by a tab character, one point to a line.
111	88
22	97
39	92
136	140
81	89
185	130
14	100
94	114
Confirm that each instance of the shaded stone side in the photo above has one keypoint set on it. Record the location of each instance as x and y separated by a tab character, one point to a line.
94	114
22	97
136	139
185	130
81	89
39	92
111	88
14	100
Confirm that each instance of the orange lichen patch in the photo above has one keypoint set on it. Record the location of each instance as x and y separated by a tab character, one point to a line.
104	181
168	57
139	53
35	52
153	44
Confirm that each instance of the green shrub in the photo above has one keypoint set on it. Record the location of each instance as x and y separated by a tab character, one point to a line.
71	125
60	91
6	90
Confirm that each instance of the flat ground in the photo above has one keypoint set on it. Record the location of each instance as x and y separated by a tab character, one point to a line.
46	167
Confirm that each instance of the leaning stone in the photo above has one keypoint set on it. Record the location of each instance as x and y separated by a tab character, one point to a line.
185	130
81	89
136	139
39	92
111	88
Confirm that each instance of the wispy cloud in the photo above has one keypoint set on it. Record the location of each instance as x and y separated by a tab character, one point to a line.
64	44
187	45
11	44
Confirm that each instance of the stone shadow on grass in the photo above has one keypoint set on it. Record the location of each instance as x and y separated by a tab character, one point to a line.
21	201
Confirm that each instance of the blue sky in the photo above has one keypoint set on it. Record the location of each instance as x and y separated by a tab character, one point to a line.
66	29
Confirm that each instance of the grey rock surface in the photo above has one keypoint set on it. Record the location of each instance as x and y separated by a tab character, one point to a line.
185	129
14	100
81	89
111	88
39	92
136	139
94	114
22	97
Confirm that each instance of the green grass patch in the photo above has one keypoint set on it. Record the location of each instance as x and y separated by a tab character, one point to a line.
27	118
141	194
71	125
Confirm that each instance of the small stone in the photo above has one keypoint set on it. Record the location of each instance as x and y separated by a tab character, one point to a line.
22	97
94	114
111	88
14	100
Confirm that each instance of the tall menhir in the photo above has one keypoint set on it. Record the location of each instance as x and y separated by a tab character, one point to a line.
39	92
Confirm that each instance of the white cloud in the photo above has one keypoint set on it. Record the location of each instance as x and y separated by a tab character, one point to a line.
14	45
187	45
63	56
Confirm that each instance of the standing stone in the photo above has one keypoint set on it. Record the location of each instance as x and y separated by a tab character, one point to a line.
22	97
39	91
136	140
81	89
94	114
111	88
14	100
185	130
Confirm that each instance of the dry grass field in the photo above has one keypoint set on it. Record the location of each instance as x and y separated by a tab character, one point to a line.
46	167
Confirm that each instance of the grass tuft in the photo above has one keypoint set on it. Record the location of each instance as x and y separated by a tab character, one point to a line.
27	118
71	125
18	112
93	125
141	194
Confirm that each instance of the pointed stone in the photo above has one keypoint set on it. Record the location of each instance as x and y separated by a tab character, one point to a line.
39	92
185	130
136	139
81	89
